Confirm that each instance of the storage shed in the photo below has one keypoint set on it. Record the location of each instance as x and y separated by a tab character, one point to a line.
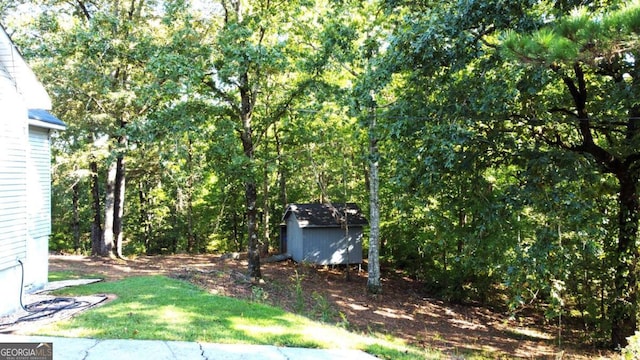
324	234
25	176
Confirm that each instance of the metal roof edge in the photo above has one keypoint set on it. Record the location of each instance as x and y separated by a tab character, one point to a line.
44	119
46	125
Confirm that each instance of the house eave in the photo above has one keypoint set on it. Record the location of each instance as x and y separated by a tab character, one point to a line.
337	226
44	119
46	125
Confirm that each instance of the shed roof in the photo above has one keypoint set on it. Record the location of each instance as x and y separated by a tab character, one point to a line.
326	215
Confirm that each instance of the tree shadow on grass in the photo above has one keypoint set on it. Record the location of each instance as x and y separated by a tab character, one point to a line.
160	308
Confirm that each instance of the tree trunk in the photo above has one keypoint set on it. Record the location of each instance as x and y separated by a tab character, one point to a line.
76	217
236	235
266	216
462	222
282	181
323	199
144	213
191	239
625	306
106	247
373	280
244	110
252	227
624	309
251	193
251	198
348	250
118	208
96	225
282	175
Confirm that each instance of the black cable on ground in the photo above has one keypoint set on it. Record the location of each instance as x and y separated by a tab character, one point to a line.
46	308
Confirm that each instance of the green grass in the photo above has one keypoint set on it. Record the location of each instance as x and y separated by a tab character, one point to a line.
161	308
67	275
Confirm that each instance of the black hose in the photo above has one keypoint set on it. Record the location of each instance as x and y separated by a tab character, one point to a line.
45	308
22	284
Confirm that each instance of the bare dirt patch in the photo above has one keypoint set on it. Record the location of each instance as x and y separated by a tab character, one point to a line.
403	309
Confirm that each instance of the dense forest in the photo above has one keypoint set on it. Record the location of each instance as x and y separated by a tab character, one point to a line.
499	140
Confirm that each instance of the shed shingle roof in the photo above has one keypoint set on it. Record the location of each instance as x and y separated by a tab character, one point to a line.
326	215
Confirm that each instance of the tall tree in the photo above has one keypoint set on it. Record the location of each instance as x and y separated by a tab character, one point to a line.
110	69
570	95
353	43
593	56
103	40
374	285
256	55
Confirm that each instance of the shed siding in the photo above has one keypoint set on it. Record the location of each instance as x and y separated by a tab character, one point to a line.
328	246
294	238
13	183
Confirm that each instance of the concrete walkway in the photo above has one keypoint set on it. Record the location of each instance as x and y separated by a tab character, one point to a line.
93	349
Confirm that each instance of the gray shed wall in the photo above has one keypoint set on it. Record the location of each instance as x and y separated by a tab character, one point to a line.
323	245
294	239
328	246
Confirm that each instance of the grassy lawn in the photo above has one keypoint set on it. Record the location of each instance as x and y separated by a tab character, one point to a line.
161	308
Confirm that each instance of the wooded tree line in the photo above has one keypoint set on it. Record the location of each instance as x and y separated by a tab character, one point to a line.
506	134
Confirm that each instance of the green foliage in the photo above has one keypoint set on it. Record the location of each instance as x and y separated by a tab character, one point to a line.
67	275
484	191
299	305
390	353
258	294
632	351
586	36
322	309
488	192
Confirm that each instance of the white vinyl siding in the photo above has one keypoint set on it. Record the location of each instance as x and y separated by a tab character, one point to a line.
33	93
25	202
39	183
13	179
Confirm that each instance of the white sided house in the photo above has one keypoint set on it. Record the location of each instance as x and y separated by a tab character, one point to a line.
25	177
323	234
